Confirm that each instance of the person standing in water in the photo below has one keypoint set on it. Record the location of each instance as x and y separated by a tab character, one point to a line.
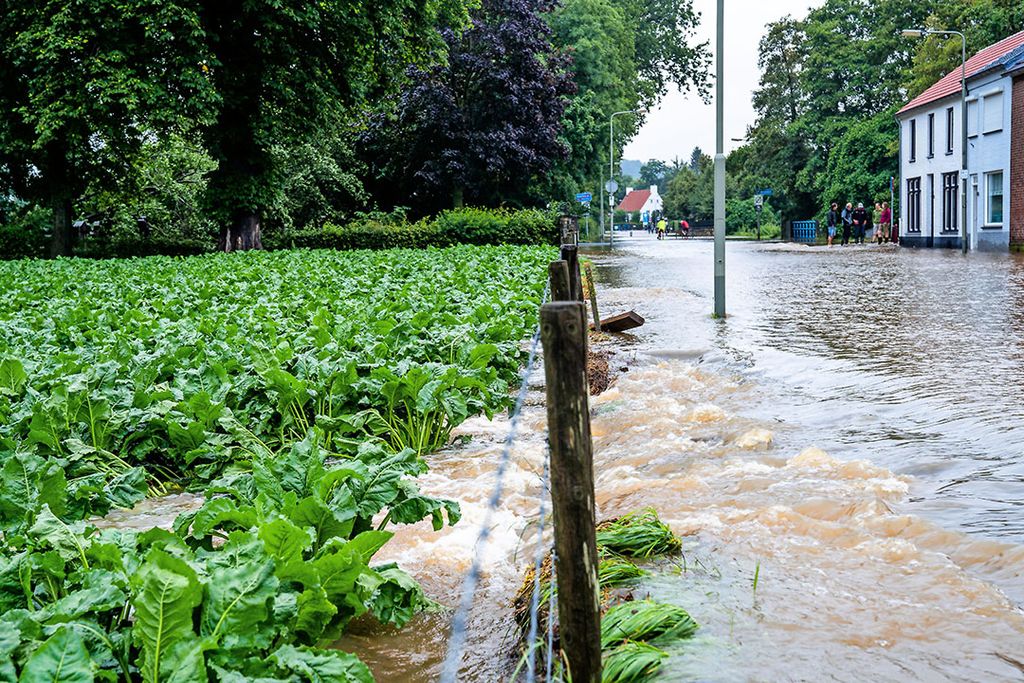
885	223
833	222
847	218
860	223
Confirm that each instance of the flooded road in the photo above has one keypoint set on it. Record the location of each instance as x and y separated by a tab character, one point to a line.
857	448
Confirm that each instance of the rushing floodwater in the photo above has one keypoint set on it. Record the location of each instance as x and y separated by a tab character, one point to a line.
853	433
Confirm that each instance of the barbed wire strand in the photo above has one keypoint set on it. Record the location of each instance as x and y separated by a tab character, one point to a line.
551	617
457	640
531	662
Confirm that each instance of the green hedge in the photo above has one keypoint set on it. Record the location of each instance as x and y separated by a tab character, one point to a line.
368	231
459	226
26	236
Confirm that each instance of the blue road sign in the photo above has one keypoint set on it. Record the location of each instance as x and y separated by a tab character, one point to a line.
767	193
584	197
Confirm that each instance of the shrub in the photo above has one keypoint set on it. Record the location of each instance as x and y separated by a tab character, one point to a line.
25	235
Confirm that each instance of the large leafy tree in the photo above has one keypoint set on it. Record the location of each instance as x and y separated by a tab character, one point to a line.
482	126
83	85
287	72
626	55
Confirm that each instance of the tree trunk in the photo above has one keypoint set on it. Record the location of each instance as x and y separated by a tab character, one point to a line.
63	241
243	235
457	198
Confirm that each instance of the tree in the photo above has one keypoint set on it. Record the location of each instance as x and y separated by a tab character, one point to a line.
285	71
482	126
83	86
655	172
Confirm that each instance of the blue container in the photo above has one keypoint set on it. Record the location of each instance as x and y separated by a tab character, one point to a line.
805	232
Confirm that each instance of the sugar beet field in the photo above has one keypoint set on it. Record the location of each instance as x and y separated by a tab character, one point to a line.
300	391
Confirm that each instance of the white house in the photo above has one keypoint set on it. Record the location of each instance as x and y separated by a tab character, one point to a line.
930	155
641	202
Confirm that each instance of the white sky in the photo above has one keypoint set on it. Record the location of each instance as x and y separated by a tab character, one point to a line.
683	121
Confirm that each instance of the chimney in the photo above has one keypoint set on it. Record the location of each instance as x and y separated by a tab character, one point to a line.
629	191
654	190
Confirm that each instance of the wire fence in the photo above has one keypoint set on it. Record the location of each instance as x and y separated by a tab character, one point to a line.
459	632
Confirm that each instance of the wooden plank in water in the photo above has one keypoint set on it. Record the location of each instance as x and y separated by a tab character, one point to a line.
621	322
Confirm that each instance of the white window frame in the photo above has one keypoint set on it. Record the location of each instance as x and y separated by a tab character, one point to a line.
988	198
973	111
991	100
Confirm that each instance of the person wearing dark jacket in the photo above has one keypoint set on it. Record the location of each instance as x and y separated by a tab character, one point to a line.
860	223
847	217
833	222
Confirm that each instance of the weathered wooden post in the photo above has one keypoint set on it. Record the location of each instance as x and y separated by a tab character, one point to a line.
570	254
593	297
563	331
558	275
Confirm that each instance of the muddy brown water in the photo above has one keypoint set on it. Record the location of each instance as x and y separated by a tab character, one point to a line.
852	436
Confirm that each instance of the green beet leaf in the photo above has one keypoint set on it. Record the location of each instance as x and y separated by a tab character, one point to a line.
239	593
63	658
322	666
165	592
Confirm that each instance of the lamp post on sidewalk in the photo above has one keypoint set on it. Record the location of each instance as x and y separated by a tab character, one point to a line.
921	33
611	166
720	168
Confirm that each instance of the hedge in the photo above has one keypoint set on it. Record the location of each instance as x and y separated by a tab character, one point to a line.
376	231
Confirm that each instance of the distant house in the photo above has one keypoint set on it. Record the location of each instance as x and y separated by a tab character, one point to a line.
642	202
931	207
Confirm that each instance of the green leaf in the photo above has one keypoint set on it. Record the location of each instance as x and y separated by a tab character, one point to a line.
27	482
12	377
128	488
66	539
315	613
398	598
239	593
285	541
327	523
61	659
165	592
368	543
322	666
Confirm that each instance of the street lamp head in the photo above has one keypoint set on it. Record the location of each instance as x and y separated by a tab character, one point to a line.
913	33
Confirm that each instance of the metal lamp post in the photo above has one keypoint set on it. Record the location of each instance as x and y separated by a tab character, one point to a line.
611	165
720	168
921	33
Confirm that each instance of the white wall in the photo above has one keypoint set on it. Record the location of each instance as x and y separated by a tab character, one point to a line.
988	151
924	166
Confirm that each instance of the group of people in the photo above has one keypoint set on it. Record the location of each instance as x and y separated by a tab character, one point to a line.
860	223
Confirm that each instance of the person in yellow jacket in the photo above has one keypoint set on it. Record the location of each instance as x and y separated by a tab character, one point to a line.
662	227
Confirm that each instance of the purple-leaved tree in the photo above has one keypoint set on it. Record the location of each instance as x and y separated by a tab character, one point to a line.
480	127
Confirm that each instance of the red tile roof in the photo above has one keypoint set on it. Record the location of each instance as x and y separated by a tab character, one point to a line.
950	83
634	201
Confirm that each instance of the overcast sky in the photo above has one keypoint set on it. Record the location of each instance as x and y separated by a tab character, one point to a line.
683	121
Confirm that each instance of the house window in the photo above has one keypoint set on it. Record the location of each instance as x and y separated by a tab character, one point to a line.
931	135
950	134
993	113
931	202
914	205
972	118
994	193
950	201
913	140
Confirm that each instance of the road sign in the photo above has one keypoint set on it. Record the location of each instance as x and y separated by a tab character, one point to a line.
758	201
767	192
611	187
584	197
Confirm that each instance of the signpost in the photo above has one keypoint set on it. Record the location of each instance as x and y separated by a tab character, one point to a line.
611	187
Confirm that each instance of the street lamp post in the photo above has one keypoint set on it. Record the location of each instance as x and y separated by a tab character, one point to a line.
720	168
921	33
611	166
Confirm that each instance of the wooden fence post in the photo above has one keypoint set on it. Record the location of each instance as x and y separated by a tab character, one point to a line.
563	331
593	297
570	254
558	274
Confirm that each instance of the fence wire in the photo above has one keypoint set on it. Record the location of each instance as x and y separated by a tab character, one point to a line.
531	640
457	640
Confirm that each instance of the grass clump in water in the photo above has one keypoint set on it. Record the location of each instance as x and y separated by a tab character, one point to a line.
644	620
639	534
616	572
632	662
